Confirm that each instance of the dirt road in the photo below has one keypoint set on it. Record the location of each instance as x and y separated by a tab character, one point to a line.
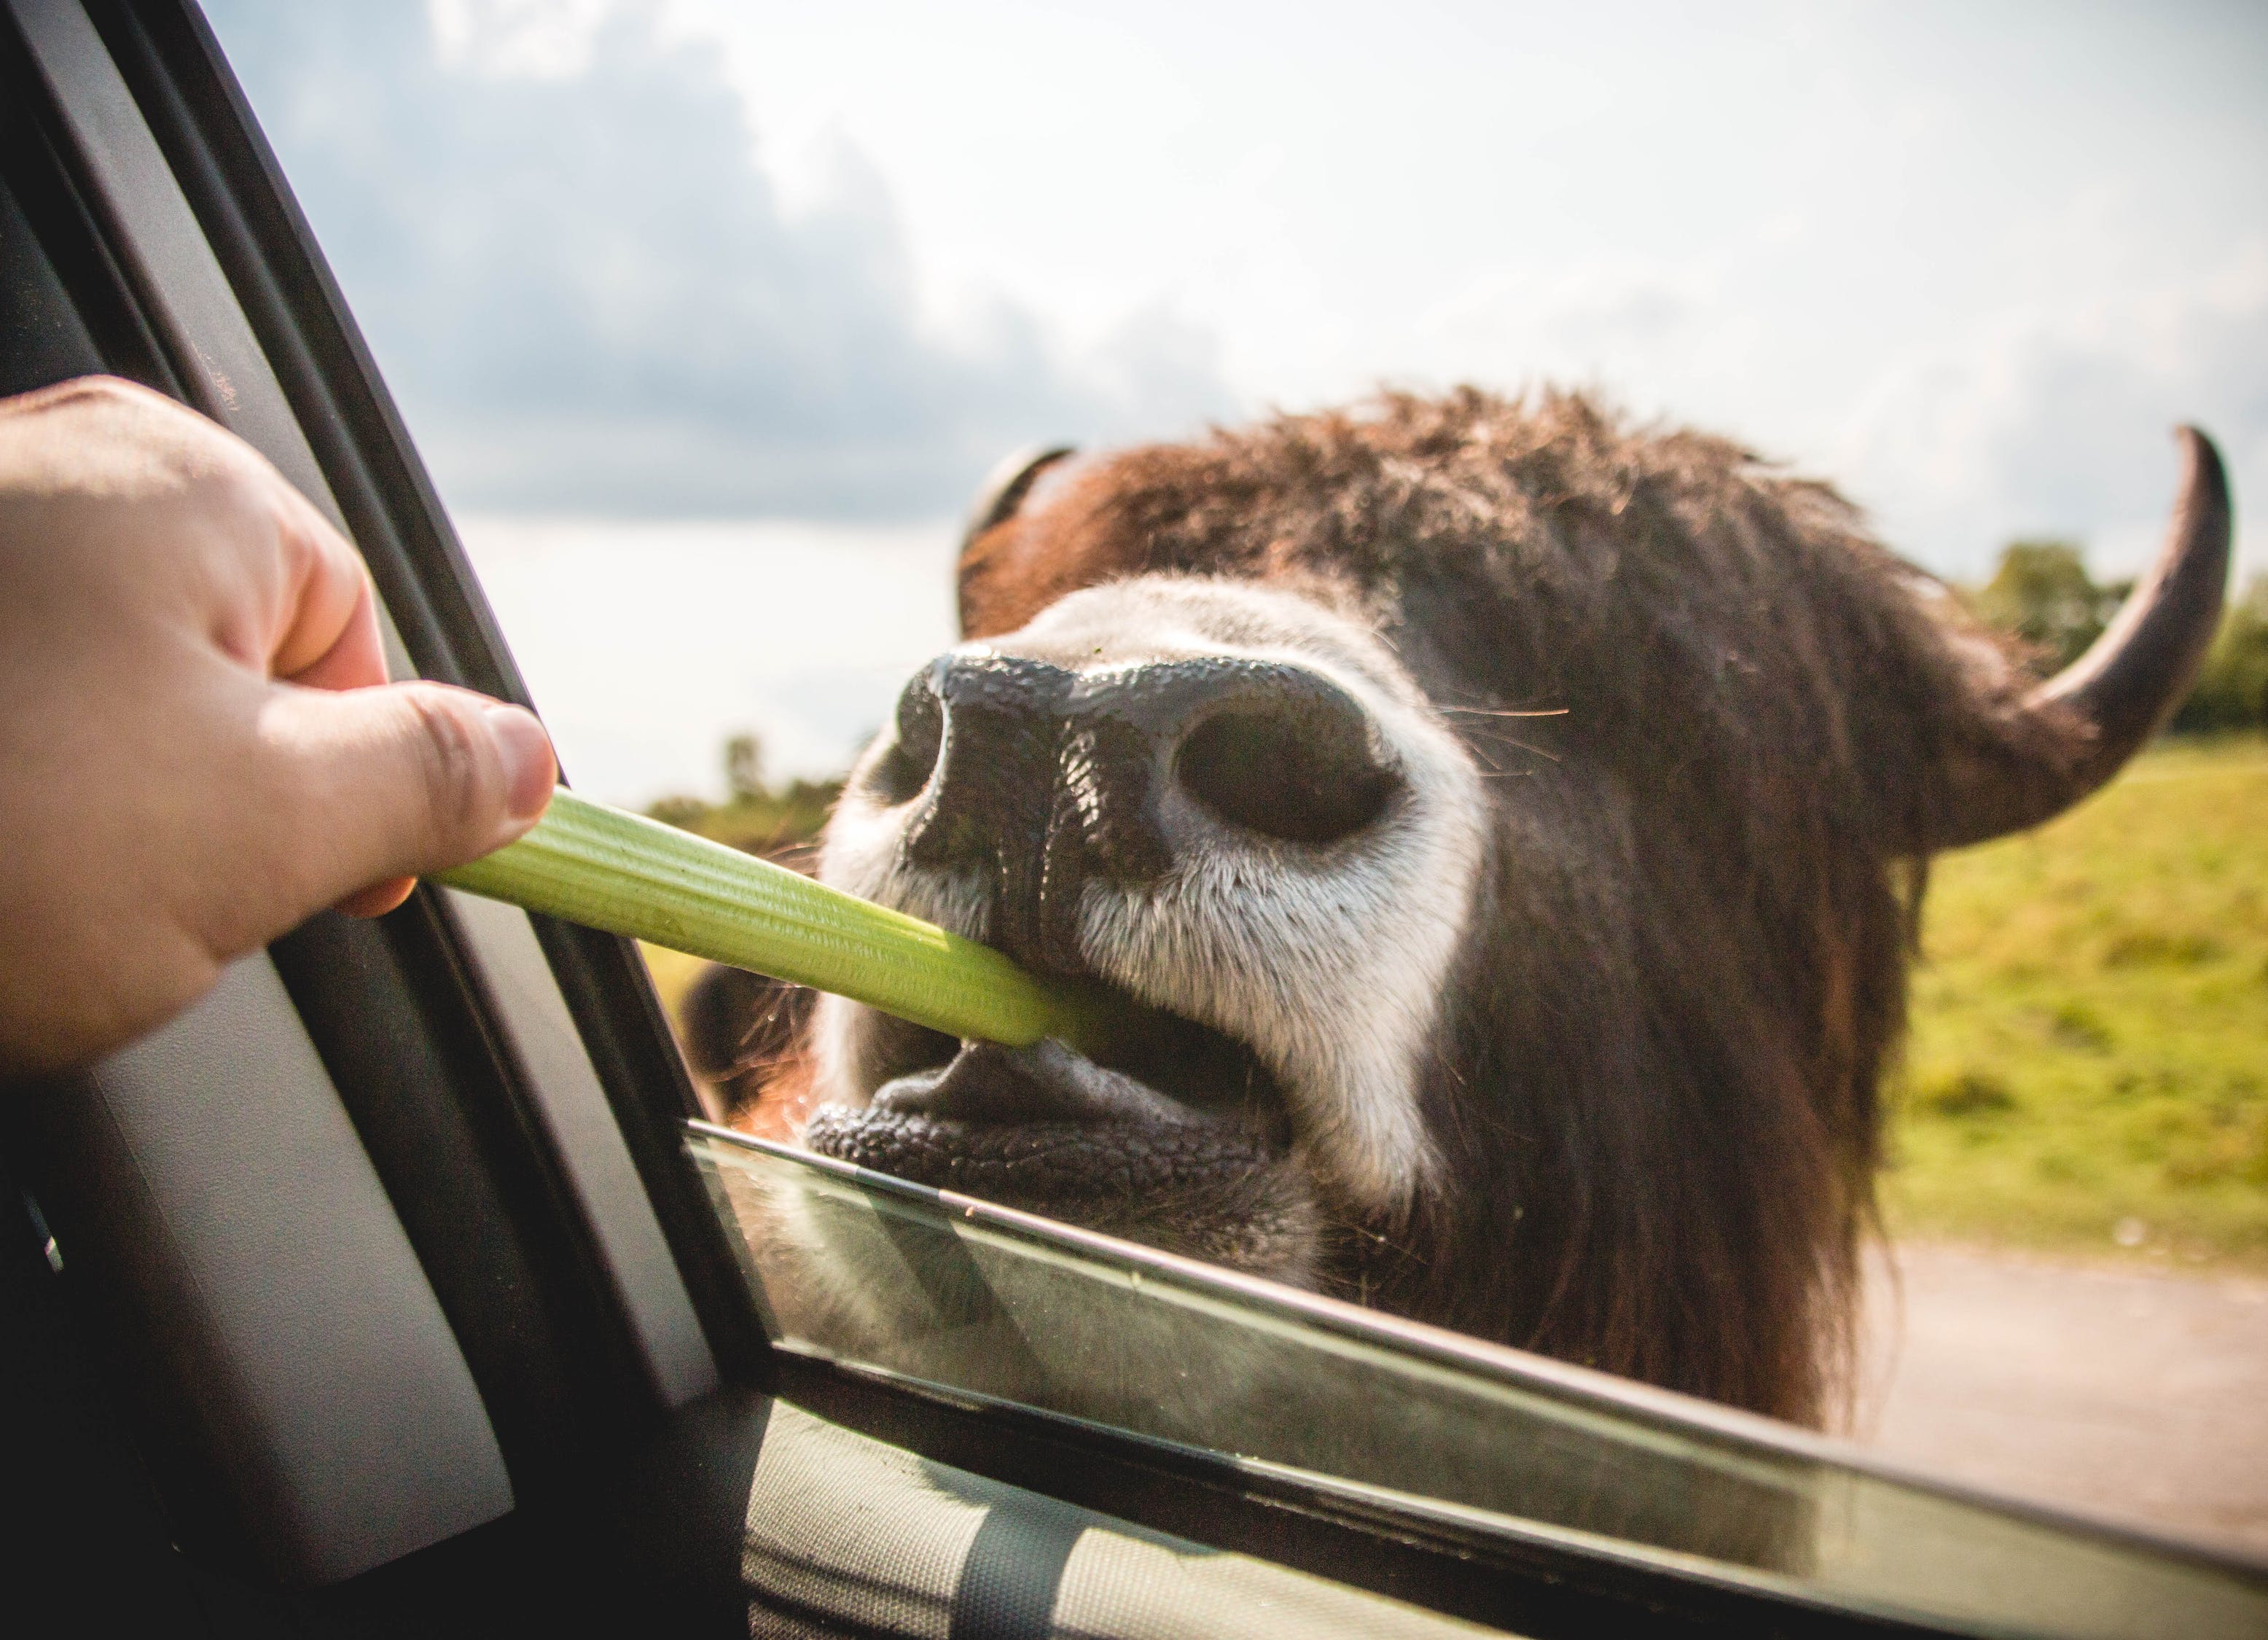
2131	1395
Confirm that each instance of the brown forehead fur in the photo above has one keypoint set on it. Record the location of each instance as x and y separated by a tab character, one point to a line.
1657	1080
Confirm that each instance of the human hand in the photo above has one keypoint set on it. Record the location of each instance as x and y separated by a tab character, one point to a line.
198	746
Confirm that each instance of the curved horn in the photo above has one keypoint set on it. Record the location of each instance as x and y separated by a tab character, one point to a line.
2076	730
1007	485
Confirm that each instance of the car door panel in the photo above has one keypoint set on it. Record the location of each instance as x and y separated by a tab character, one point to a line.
218	1189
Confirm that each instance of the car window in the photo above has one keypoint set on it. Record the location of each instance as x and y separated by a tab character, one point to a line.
638	431
915	1284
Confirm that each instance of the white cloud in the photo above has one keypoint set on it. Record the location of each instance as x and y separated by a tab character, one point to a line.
518	39
2056	422
590	298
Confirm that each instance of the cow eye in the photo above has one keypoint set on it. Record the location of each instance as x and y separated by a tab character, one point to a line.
906	768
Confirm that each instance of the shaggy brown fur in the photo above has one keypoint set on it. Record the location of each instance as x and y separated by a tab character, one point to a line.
1717	716
1659	1095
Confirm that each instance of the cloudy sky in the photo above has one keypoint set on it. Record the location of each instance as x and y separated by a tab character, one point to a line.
651	279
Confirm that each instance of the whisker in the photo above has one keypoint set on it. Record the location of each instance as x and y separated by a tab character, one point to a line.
1550	757
1348	1227
1492	711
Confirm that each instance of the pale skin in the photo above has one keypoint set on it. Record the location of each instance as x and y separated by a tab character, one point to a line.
199	748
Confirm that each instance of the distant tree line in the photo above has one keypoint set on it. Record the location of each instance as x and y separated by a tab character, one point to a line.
778	822
2041	593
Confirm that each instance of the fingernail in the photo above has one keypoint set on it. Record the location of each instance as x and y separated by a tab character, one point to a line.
529	769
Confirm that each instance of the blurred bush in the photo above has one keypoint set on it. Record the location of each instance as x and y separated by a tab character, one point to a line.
2232	692
779	824
2041	593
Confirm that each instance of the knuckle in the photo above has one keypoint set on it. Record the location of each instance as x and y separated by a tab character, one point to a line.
453	770
115	398
118	390
100	390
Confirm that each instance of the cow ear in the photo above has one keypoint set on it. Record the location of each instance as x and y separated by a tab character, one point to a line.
1007	485
1003	492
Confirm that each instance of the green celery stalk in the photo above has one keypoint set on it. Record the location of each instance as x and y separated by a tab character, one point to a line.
587	863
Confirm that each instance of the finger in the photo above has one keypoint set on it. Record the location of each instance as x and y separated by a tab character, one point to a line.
329	621
390	783
378	899
356	660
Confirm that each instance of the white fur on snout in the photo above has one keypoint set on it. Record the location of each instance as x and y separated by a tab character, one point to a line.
1332	975
1328	963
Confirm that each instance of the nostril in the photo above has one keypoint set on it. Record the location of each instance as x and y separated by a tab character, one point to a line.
905	769
1299	770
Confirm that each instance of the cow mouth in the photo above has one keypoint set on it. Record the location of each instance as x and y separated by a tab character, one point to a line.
1177	1135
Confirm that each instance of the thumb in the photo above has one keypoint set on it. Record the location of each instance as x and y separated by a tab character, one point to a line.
391	782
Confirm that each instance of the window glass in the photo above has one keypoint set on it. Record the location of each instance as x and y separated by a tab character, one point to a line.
866	1270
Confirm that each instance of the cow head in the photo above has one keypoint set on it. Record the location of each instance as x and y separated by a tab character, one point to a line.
1512	825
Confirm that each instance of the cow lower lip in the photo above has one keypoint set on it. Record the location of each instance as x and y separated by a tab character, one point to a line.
1049	1167
1211	1185
1173	1107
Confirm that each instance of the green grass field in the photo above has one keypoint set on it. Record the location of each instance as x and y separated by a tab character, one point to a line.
2088	1068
